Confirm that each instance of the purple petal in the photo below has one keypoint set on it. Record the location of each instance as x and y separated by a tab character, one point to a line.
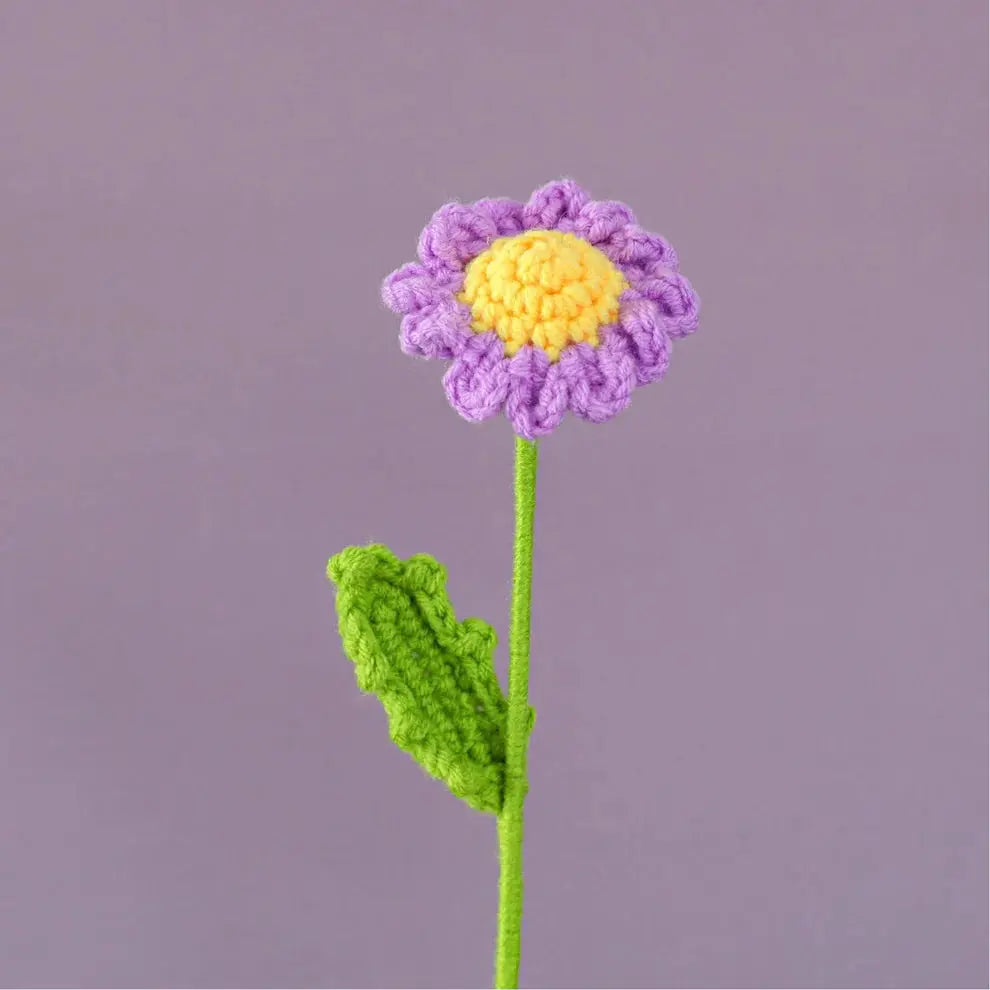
676	301
441	330
412	288
600	219
600	379
505	214
630	245
639	319
553	203
537	398
477	382
456	234
668	263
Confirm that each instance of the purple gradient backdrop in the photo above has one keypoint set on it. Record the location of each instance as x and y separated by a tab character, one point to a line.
760	651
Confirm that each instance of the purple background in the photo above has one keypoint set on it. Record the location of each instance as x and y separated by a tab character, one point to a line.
760	654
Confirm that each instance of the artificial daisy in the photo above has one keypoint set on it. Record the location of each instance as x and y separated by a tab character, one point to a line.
560	303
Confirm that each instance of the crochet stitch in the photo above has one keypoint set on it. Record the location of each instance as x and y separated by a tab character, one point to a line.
560	303
542	288
519	725
433	674
529	320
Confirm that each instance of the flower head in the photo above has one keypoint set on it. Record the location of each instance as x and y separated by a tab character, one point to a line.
560	303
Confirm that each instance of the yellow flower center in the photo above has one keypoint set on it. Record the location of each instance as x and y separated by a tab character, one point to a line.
544	288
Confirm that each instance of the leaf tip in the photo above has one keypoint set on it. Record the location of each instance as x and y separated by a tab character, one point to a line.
354	563
425	573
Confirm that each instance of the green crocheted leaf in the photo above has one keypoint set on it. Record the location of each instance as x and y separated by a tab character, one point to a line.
433	674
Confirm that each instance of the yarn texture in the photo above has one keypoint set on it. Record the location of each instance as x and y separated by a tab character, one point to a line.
542	288
508	944
433	675
559	304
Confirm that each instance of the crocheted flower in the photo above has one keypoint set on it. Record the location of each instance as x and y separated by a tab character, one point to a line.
560	303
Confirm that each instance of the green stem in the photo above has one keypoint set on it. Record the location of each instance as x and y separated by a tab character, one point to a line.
518	725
